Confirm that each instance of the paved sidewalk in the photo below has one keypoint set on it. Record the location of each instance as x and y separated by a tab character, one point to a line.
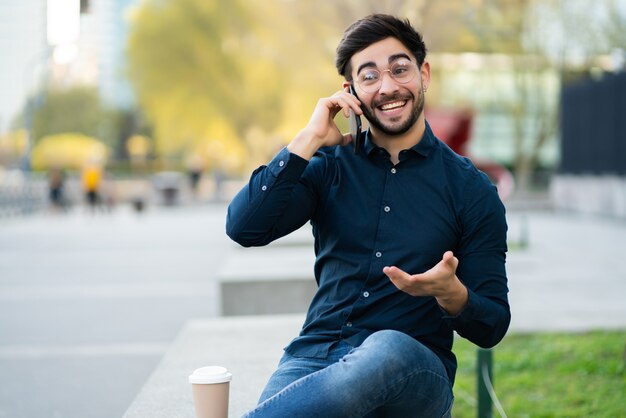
567	277
104	296
571	276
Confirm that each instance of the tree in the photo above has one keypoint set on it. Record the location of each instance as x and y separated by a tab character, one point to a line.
558	36
77	110
249	70
207	68
245	74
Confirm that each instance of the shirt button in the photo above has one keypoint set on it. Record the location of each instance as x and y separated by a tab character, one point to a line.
348	324
264	188
282	163
393	171
387	208
378	254
366	294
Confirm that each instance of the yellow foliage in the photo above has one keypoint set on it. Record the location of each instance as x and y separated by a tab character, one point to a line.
220	147
70	150
258	67
138	146
13	144
222	70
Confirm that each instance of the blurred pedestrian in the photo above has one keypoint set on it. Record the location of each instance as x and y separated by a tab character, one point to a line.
56	184
91	182
195	167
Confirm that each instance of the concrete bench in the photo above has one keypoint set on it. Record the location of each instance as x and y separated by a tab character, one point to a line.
272	280
240	344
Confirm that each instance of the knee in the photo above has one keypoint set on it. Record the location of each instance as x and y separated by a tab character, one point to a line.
391	340
395	348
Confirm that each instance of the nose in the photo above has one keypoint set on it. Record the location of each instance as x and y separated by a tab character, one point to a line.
387	83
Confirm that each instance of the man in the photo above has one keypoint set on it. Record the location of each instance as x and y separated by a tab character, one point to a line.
410	243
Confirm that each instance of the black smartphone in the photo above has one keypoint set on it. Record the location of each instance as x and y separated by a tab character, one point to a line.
355	126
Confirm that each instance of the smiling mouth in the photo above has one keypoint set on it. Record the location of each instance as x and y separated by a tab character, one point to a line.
393	105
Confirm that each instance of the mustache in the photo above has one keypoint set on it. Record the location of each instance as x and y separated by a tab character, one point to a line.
387	99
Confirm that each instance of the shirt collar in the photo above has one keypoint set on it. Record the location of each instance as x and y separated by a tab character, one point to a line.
423	148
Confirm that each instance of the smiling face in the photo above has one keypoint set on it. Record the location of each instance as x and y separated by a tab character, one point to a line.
396	108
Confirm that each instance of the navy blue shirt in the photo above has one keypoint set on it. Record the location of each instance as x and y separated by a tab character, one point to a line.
366	214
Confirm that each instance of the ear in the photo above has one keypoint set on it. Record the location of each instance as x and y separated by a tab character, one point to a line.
425	73
345	85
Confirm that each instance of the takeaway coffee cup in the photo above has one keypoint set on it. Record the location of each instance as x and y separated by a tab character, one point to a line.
210	387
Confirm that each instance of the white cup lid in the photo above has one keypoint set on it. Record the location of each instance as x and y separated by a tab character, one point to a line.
210	374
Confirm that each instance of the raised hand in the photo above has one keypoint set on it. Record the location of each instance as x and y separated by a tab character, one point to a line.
440	282
321	130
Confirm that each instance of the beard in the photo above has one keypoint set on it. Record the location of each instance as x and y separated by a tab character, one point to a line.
416	112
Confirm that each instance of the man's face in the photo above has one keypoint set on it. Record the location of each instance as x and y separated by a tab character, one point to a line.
394	107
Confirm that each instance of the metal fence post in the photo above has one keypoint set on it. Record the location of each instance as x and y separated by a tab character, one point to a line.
484	362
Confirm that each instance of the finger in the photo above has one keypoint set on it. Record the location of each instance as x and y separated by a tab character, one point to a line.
347	102
347	138
450	260
403	281
396	274
355	104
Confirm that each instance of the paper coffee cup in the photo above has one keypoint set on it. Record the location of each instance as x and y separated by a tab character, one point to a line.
210	386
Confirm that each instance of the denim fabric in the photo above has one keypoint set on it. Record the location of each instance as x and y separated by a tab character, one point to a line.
389	375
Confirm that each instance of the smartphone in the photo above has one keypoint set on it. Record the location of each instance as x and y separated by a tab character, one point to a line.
355	126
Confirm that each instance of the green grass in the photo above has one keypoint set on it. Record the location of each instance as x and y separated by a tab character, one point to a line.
549	375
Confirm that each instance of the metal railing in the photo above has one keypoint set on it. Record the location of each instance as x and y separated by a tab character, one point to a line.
23	197
484	382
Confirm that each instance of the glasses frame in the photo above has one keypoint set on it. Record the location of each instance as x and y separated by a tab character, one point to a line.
371	89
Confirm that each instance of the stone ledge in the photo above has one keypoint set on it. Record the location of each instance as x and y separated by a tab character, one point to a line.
267	281
249	347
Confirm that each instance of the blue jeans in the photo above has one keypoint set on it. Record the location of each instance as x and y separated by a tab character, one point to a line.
389	375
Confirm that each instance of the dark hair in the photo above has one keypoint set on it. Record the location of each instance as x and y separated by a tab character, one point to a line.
374	28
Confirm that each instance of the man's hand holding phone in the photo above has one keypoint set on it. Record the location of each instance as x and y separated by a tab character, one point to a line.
322	131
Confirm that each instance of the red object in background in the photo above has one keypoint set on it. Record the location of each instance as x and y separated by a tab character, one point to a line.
454	128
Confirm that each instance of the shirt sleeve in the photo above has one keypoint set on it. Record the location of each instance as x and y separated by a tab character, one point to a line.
272	204
482	256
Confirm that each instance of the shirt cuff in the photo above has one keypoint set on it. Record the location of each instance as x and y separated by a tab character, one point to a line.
287	165
467	313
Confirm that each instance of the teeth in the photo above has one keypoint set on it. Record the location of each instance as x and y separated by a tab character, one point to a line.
393	105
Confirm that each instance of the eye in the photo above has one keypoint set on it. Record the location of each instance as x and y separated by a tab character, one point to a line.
400	68
369	76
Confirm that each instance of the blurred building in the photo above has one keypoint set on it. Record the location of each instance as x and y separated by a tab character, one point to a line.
23	59
592	172
28	64
104	30
489	85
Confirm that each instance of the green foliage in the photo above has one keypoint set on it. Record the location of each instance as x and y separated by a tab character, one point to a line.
243	76
186	61
253	71
77	110
250	72
549	375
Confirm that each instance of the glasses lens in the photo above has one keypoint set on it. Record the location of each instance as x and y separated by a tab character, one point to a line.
401	71
369	79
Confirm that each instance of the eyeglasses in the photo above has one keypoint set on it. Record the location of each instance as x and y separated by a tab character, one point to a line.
402	71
